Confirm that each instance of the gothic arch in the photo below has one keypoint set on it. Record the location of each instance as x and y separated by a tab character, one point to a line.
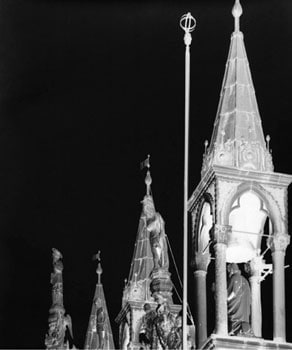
272	206
206	198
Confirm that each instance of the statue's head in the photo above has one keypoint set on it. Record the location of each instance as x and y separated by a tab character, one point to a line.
178	321
232	268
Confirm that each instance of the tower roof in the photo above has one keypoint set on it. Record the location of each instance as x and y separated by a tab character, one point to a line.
138	284
238	140
99	333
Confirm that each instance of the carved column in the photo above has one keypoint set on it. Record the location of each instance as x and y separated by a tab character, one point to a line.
254	268
278	244
220	237
200	265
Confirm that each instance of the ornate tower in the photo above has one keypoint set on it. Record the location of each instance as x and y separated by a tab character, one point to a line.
58	322
238	194
147	294
99	333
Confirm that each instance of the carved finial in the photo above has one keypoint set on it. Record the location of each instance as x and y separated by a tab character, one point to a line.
148	182
268	139
99	272
206	143
99	269
236	12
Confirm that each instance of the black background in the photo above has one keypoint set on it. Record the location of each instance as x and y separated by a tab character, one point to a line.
87	90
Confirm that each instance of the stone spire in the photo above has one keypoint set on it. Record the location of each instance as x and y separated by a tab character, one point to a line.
99	333
238	140
149	286
138	284
58	322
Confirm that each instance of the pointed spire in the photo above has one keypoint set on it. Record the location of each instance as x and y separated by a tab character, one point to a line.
238	140
99	333
145	257
138	283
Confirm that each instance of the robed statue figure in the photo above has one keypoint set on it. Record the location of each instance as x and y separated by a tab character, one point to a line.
157	237
238	302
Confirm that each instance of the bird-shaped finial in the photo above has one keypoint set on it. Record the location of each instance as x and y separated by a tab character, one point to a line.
236	12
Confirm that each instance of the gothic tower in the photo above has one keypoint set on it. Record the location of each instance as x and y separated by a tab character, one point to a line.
147	296
239	193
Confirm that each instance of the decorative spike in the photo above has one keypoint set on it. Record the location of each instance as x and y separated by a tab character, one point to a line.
236	12
268	139
206	143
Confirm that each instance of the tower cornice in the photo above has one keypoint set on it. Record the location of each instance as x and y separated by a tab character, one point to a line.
271	178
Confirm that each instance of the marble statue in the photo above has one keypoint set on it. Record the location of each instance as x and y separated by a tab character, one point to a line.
238	302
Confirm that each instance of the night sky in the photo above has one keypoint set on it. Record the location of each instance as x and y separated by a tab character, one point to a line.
87	90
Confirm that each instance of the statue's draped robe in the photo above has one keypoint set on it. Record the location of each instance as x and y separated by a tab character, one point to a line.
239	305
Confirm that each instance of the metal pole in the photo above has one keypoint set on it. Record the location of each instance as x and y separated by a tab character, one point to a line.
188	24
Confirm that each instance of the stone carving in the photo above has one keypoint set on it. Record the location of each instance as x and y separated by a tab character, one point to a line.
160	328
220	233
59	323
278	242
100	326
125	335
156	227
146	333
238	302
157	237
242	153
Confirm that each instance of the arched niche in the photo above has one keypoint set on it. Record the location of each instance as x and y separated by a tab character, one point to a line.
247	218
205	222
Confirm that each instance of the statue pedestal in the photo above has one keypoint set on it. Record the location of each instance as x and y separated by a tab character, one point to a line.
161	285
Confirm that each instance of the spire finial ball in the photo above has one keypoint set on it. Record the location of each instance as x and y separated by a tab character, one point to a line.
99	269
237	9
148	179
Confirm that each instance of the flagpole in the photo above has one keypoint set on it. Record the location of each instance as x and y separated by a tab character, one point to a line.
188	24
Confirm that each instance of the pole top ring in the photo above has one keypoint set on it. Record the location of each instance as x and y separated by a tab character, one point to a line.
187	22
